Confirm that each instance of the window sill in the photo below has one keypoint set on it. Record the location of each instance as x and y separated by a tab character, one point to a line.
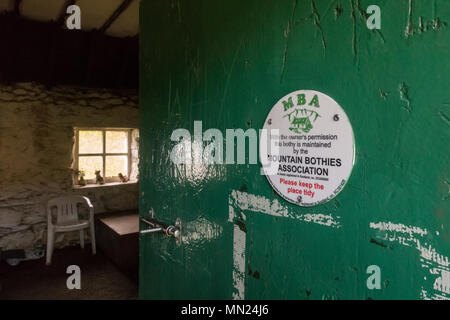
109	184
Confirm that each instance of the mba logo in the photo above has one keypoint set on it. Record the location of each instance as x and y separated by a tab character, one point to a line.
301	119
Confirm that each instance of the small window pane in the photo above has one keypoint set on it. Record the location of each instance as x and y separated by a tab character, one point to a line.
90	142
116	142
116	165
89	165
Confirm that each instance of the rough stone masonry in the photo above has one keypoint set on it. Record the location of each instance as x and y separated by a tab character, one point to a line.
36	144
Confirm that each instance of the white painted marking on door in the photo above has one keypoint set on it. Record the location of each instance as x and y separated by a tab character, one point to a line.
398	227
260	204
437	265
248	202
238	263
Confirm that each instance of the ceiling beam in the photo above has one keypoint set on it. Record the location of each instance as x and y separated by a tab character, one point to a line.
17	7
120	9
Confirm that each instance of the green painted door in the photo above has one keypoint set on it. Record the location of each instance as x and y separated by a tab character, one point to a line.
226	63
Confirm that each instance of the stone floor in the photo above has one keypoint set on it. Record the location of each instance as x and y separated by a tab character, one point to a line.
100	278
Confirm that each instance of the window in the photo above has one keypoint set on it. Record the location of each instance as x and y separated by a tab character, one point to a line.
110	152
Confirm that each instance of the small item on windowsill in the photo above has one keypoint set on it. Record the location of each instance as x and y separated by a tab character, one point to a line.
80	174
123	178
98	178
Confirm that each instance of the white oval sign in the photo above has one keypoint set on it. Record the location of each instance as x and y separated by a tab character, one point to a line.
309	150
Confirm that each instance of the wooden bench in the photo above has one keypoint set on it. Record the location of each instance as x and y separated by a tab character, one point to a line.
117	236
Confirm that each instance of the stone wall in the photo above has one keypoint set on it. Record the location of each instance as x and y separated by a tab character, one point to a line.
36	143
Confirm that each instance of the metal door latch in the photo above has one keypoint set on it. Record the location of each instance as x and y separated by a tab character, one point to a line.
158	226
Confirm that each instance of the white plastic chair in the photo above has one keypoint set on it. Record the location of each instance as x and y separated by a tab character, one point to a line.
67	220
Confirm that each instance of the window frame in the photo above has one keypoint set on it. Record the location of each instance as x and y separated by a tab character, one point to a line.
103	155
